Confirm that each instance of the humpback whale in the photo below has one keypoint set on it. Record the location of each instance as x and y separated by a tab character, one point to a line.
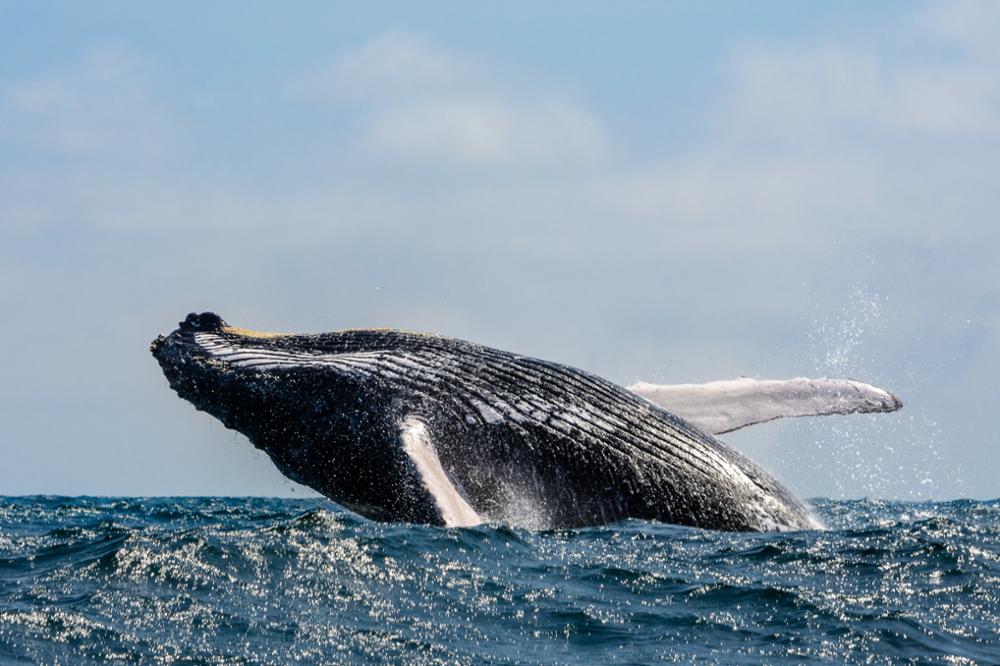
413	427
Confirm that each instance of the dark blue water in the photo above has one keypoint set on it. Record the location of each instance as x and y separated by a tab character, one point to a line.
252	581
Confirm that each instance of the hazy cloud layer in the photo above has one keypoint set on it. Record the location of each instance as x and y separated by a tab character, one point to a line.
831	211
103	107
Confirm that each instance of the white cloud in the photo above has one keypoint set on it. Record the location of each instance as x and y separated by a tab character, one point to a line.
839	139
487	131
794	88
396	63
105	106
424	102
962	100
710	202
972	25
819	87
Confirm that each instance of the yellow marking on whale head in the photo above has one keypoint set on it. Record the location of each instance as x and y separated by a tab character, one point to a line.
265	335
384	329
247	333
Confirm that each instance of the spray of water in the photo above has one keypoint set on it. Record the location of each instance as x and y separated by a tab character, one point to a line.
877	455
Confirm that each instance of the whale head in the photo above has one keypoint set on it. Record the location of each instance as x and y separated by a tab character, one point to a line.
198	374
302	400
253	382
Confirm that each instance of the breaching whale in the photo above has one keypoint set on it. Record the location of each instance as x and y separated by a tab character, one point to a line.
402	426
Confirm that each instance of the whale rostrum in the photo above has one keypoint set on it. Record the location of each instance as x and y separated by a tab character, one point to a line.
402	426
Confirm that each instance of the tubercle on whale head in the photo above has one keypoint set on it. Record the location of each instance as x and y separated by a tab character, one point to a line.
194	322
209	322
184	345
206	321
205	362
163	345
156	345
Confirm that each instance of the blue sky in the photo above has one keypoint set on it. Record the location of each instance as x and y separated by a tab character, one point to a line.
672	192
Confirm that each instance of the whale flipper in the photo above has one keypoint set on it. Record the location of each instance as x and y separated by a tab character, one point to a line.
723	406
455	511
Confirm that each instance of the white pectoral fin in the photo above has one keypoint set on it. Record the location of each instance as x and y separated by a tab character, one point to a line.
724	406
416	440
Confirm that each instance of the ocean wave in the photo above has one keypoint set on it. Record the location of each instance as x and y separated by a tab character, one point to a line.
251	580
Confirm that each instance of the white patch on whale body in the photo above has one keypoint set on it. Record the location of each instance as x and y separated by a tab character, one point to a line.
491	415
455	511
723	406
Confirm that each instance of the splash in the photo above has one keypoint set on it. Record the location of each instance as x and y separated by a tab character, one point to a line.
875	457
839	340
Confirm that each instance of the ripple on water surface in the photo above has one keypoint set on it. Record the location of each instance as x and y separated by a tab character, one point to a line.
270	581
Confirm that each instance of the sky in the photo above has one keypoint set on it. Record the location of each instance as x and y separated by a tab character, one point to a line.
660	191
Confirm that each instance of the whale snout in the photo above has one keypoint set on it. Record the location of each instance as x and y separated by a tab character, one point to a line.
181	338
156	345
188	366
174	351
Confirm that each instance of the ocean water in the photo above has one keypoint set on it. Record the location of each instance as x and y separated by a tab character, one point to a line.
262	581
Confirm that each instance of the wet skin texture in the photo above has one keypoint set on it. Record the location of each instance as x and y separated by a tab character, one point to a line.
523	441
